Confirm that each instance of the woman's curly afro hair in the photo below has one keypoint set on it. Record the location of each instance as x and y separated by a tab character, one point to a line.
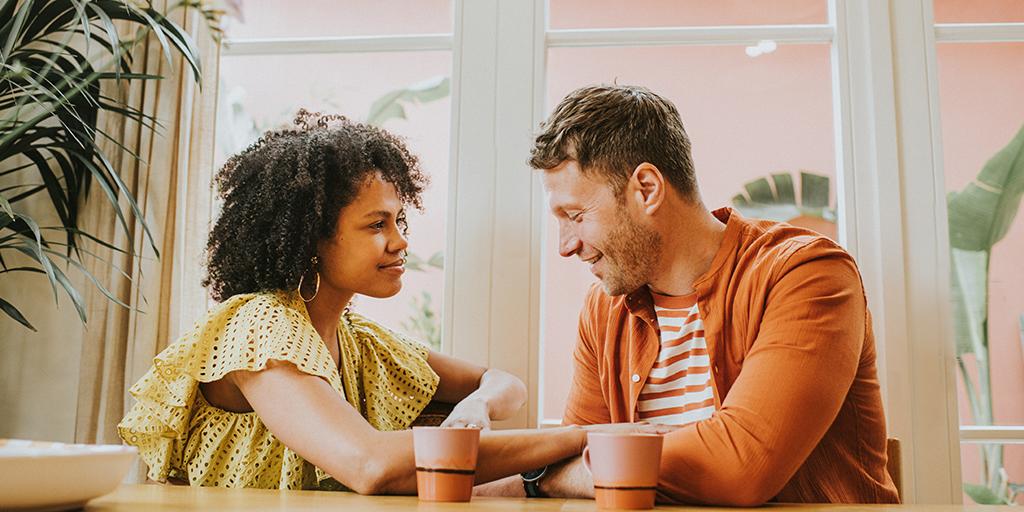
284	193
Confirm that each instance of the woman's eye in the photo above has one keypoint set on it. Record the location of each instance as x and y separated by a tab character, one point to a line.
378	225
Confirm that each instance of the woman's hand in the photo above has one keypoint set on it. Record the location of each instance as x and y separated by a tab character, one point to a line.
471	412
481	394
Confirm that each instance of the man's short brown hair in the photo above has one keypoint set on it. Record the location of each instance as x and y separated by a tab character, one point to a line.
610	129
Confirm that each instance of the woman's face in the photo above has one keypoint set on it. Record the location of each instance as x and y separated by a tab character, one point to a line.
366	255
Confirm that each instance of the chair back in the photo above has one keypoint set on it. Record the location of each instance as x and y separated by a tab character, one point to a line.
894	464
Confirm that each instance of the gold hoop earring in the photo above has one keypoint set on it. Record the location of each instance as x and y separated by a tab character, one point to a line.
316	288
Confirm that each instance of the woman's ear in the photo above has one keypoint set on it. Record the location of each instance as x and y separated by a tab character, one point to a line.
646	186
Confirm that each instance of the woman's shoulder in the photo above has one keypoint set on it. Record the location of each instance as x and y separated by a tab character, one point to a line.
252	311
244	332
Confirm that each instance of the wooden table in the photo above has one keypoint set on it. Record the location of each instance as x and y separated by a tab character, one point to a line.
181	498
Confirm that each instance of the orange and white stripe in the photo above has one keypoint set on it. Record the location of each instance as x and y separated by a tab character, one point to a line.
678	389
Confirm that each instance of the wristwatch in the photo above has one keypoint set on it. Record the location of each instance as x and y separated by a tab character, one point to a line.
531	482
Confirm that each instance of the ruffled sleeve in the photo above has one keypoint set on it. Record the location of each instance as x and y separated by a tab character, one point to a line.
242	333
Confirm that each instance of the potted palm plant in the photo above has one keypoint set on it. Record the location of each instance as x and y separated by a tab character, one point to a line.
56	57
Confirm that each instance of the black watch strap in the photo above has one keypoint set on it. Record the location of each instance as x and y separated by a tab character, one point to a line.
531	482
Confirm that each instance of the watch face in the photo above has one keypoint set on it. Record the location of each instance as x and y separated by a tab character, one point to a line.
533	475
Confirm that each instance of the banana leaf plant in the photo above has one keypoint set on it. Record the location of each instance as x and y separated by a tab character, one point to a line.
55	57
980	215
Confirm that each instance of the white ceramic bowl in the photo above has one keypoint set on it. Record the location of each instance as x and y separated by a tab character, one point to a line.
56	476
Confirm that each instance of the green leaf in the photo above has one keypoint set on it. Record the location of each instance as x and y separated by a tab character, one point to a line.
981	213
784	189
13	312
437	260
6	207
814	190
983	495
390	106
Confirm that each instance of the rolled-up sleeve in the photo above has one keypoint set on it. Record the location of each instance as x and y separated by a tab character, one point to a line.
789	391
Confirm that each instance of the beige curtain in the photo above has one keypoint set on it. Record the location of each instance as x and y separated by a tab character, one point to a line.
172	187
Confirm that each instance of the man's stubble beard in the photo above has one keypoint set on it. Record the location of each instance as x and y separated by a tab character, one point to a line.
632	251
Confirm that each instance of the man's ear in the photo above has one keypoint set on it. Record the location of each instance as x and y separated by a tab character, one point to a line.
646	188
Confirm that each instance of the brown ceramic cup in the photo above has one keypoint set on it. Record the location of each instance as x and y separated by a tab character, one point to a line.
624	467
445	462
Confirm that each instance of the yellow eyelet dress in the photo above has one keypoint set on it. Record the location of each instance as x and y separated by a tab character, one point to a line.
384	375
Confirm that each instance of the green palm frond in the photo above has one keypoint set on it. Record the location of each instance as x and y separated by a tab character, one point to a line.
774	197
55	57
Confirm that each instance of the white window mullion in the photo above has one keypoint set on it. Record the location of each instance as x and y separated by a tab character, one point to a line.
994	434
488	317
979	32
869	196
935	447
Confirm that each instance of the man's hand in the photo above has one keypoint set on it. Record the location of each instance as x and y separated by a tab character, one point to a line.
470	412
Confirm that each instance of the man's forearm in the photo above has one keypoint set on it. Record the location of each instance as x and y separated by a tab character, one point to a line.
568	479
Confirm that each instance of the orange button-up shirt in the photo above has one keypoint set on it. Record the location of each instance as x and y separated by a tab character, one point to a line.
799	411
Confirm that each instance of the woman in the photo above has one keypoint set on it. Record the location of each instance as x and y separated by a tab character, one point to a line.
280	385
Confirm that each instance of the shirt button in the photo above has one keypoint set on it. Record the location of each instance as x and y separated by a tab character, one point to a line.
636	378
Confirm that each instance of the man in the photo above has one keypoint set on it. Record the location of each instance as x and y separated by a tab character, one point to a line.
753	337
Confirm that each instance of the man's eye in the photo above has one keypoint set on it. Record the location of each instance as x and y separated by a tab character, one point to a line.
576	217
378	225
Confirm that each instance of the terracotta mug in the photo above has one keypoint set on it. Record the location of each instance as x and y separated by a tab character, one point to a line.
624	467
445	462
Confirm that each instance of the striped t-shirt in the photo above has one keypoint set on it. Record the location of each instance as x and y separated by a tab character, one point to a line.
678	390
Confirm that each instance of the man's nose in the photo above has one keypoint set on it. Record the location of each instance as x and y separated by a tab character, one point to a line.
568	243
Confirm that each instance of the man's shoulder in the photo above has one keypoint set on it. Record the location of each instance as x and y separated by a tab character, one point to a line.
777	247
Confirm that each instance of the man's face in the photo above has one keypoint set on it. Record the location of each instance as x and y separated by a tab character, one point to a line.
601	229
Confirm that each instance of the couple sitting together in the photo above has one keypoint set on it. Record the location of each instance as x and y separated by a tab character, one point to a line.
748	342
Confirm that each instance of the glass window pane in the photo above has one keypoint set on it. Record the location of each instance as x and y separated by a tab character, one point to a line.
978	11
1007	484
253	99
747	117
982	110
333	18
565	14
